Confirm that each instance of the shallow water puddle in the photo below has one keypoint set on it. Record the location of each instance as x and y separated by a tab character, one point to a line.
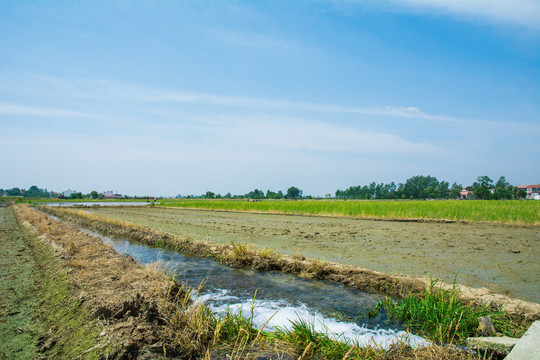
330	307
96	203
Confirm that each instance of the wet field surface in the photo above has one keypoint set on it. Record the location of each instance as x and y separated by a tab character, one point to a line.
503	258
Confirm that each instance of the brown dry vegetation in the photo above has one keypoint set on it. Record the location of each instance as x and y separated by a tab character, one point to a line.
123	296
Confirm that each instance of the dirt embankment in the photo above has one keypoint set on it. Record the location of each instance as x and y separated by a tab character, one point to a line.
501	258
241	255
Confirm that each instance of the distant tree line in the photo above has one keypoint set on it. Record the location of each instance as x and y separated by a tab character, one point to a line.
32	192
292	193
416	187
428	187
35	192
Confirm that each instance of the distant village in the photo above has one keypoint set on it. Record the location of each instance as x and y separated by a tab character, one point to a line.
72	194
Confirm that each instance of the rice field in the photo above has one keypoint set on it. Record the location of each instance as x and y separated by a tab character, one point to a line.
516	212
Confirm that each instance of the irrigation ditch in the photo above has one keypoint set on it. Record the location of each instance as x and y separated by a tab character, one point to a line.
132	311
245	255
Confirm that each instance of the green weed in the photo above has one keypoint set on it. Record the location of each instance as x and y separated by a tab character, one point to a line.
440	314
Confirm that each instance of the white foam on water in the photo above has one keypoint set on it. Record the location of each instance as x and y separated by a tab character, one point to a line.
282	314
221	295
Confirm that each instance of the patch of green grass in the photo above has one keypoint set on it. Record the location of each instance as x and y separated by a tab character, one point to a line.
519	212
19	302
307	341
441	315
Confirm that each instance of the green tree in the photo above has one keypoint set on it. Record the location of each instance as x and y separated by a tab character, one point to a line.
77	195
482	187
34	191
294	193
443	191
14	192
518	193
418	187
455	190
210	195
503	189
255	194
94	194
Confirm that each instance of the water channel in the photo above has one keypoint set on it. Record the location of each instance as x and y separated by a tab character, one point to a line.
96	203
332	308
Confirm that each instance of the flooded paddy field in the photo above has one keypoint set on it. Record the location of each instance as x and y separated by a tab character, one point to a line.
502	258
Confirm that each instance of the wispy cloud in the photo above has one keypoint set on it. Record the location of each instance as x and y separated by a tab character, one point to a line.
105	89
41	111
94	91
295	134
517	12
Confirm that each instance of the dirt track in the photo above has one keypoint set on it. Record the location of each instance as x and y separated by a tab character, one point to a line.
502	258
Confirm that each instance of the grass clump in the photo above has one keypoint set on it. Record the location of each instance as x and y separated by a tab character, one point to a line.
198	332
441	315
308	342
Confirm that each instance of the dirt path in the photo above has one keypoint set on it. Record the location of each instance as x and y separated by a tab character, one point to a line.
18	299
503	258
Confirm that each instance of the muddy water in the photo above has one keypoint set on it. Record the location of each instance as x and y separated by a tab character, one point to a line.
280	297
503	258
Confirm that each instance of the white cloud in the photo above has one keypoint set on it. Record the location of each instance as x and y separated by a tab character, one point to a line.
517	12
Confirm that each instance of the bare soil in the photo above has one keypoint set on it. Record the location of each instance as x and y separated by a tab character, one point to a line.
502	258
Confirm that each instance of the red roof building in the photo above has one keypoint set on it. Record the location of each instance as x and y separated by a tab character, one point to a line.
533	191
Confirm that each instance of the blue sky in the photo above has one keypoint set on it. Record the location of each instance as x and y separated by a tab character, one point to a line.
181	97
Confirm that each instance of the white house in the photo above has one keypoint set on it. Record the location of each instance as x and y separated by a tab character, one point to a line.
68	193
533	191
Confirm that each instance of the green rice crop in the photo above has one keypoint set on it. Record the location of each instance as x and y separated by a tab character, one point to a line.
517	212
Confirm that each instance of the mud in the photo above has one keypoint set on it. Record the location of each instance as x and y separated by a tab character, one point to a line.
502	258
